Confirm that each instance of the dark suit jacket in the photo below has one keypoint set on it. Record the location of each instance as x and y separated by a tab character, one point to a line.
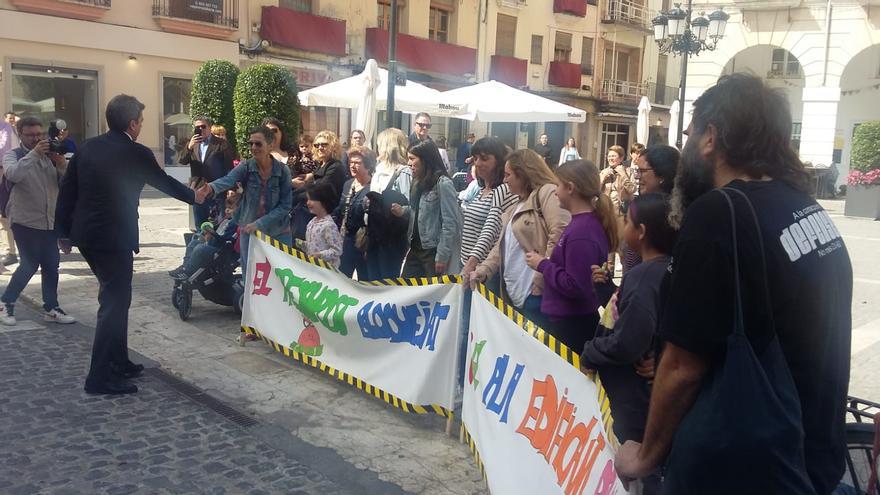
98	202
218	161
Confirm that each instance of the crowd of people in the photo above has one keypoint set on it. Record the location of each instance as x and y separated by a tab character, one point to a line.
758	294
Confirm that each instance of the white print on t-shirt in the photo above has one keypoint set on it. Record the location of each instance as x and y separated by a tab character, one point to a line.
809	232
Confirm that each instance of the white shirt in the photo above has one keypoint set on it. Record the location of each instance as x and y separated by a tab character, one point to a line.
518	276
203	149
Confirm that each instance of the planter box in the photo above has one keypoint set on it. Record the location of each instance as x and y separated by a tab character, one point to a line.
862	201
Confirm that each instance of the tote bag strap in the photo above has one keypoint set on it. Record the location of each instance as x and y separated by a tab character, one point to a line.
739	321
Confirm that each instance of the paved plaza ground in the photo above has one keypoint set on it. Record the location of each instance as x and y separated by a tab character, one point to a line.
214	417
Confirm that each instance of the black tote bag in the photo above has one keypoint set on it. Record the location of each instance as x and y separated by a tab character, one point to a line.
744	433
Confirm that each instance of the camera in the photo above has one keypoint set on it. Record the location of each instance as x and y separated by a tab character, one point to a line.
56	145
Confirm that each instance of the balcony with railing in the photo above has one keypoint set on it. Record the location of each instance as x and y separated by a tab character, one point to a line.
662	95
87	10
216	19
631	13
627	92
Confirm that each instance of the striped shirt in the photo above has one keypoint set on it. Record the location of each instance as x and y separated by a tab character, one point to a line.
482	222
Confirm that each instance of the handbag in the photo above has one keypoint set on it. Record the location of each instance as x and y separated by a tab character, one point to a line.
744	432
361	237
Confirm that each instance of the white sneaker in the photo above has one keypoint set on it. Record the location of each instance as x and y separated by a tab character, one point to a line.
57	315
6	315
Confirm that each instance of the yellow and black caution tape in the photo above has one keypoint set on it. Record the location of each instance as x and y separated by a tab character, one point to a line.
350	379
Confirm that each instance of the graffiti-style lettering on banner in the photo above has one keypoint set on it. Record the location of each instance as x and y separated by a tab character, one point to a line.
398	340
537	424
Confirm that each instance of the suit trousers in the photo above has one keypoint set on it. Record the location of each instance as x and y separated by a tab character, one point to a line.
113	270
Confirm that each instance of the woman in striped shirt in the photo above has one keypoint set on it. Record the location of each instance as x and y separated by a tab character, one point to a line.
482	216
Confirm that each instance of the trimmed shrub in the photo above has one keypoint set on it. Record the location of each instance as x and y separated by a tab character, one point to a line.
265	90
212	89
866	147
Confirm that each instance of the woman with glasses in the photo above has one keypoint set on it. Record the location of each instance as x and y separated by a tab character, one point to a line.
327	155
281	147
352	209
265	201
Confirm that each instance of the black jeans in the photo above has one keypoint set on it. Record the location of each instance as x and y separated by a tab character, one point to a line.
36	249
384	261
420	263
114	272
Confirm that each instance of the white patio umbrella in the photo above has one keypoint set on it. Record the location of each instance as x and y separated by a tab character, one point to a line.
412	97
493	101
673	122
179	119
643	121
365	119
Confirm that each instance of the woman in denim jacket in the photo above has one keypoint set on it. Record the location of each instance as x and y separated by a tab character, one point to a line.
266	200
434	217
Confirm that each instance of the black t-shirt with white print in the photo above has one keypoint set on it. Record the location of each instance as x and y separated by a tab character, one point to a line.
810	281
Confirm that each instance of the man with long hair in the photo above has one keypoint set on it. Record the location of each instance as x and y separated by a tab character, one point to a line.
750	392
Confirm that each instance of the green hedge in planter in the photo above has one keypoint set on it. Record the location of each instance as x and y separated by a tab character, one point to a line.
866	147
212	89
265	90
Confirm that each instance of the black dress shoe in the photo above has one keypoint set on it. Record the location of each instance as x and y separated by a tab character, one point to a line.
127	371
113	386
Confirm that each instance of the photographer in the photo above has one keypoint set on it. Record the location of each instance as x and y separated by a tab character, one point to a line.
209	158
35	173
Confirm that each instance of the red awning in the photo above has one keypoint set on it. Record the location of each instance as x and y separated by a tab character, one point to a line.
423	54
294	29
565	74
573	7
509	70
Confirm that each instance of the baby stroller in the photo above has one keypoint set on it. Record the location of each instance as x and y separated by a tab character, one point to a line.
216	281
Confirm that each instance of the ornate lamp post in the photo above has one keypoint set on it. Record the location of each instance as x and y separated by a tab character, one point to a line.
676	33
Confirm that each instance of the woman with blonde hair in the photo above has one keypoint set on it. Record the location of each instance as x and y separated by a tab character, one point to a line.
533	225
616	181
390	184
327	155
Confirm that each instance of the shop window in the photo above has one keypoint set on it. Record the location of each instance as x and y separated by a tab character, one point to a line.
176	118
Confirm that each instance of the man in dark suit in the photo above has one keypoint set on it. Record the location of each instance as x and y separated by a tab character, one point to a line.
98	211
209	158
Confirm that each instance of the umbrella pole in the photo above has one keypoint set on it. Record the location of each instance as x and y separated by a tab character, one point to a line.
392	65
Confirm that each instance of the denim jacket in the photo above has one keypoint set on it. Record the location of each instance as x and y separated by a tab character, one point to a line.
276	220
439	221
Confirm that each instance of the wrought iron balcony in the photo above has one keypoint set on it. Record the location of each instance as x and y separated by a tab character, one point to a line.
208	18
615	90
629	12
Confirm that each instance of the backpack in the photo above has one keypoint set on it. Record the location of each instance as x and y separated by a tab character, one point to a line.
6	184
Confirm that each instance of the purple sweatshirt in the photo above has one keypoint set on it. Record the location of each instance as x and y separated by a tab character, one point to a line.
568	279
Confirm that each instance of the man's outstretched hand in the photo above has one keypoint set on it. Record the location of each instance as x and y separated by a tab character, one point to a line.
202	193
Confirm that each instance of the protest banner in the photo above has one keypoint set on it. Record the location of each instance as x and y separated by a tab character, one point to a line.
395	340
534	422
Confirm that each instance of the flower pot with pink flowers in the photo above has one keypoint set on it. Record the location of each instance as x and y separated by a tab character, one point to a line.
863	182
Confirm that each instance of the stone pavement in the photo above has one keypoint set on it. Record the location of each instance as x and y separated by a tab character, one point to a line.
55	438
320	413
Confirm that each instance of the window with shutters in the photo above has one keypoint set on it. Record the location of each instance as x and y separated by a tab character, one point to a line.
537	55
299	5
783	64
587	56
438	24
562	47
384	14
505	36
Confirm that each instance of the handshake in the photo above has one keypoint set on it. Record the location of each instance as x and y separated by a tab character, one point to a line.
202	193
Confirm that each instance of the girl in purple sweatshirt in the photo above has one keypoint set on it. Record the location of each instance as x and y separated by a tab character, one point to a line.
570	303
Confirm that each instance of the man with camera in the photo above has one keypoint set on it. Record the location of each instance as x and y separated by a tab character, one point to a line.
209	158
35	170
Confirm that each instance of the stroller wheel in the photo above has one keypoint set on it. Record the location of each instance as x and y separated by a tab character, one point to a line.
238	300
184	304
175	297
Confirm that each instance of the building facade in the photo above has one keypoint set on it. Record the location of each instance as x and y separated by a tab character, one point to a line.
825	55
66	58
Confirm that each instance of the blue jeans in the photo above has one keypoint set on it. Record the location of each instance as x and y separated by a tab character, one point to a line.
245	241
200	256
36	249
353	260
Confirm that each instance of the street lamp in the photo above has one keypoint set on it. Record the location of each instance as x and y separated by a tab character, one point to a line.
676	33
